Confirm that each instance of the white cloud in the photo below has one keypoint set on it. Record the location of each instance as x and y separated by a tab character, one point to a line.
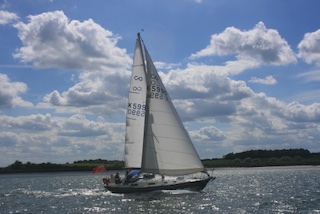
250	120
255	121
309	47
302	113
166	66
310	96
98	93
269	80
259	44
7	17
202	81
10	93
208	133
52	40
202	93
263	122
310	76
57	139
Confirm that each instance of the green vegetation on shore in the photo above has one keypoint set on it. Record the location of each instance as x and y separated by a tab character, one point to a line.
84	165
253	158
259	158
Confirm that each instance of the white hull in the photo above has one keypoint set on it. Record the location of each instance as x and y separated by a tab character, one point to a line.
147	184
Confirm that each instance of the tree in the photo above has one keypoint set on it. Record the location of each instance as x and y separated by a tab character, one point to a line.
247	161
16	165
237	161
273	161
285	159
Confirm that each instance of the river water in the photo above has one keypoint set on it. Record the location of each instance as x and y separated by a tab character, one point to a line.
235	190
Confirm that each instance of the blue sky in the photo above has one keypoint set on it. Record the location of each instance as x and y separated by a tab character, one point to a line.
242	74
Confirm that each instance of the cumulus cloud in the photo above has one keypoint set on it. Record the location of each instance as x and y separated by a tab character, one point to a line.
302	113
199	81
94	93
309	48
166	66
201	93
10	93
251	120
7	17
208	133
52	137
259	44
269	80
52	40
263	122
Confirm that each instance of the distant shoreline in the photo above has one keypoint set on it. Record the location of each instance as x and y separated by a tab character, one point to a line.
215	163
252	158
56	171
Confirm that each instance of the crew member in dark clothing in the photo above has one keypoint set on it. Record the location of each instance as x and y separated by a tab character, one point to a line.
117	179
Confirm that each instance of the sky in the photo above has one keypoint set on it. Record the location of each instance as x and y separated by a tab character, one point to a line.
243	75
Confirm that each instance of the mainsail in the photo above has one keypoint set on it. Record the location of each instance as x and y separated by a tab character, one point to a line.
168	149
135	118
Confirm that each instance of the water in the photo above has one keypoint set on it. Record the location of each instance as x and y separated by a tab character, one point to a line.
243	190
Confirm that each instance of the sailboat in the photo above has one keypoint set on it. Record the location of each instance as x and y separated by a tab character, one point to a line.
158	148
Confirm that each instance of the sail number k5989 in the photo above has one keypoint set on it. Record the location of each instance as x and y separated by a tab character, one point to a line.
136	109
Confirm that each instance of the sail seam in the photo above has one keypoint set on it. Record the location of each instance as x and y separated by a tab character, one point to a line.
132	92
165	137
137	65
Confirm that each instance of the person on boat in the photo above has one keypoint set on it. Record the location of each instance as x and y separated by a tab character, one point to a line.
106	181
127	172
117	179
127	177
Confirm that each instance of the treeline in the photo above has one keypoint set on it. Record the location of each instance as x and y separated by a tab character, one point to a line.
303	153
258	158
91	161
83	165
252	158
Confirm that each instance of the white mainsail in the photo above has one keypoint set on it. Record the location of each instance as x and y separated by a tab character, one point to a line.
135	118
168	149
